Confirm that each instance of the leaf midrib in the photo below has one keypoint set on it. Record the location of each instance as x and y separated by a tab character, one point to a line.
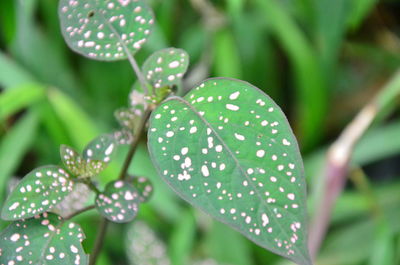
191	107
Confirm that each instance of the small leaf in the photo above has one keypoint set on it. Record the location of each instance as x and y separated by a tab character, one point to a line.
101	148
45	239
123	136
37	192
137	99
103	29
119	202
78	166
144	188
128	117
228	149
166	67
71	159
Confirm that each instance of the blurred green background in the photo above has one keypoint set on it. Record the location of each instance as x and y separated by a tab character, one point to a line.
320	60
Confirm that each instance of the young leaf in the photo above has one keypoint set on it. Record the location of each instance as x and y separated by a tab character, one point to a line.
126	117
105	30
228	149
45	239
101	148
123	136
78	166
71	159
144	188
37	192
119	202
137	99
166	67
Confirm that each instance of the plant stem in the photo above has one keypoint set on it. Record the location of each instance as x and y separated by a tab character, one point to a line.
104	223
99	241
131	60
88	182
338	159
72	215
135	143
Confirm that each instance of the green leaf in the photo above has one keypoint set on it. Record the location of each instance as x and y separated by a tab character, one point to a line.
37	192
166	67
123	136
79	166
228	149
105	30
101	148
128	117
119	202
45	239
144	188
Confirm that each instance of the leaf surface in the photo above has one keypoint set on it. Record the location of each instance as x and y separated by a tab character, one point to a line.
228	149
37	192
101	148
105	30
166	67
119	202
79	166
144	188
45	239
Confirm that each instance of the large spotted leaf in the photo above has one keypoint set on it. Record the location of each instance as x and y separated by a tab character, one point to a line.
166	67
228	149
37	192
119	202
45	240
105	29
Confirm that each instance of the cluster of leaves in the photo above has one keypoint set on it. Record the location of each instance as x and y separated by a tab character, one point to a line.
225	147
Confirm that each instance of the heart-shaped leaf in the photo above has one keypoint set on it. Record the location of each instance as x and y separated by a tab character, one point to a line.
228	149
37	192
79	166
105	30
144	188
45	239
101	148
119	202
166	67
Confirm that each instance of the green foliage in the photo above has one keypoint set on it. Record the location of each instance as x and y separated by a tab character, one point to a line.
101	149
37	193
45	239
228	149
166	67
320	67
119	202
105	30
144	188
79	166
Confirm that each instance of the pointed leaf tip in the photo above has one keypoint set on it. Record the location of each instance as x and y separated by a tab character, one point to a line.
228	149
